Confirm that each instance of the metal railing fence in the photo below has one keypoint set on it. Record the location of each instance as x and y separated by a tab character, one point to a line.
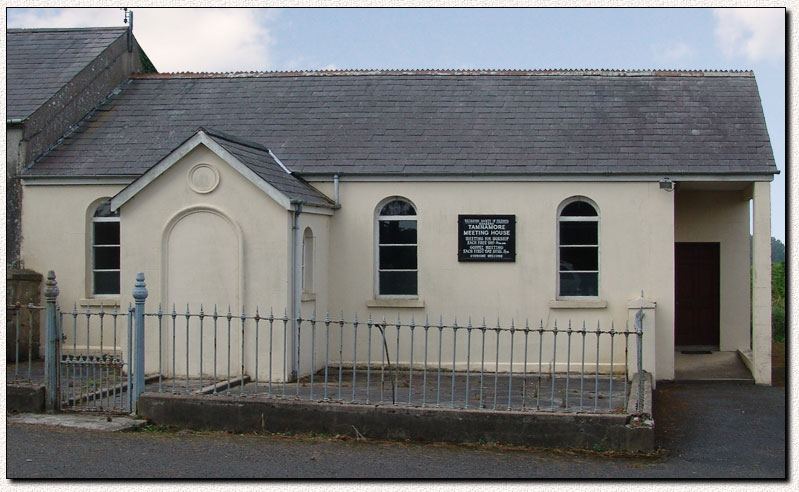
420	364
397	363
83	364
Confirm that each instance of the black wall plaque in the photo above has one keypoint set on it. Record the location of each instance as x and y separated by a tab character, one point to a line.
486	238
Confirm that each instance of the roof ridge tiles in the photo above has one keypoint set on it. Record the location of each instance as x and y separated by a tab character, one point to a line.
232	138
17	30
449	72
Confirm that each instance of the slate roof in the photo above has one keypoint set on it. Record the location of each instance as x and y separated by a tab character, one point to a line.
437	123
39	62
262	163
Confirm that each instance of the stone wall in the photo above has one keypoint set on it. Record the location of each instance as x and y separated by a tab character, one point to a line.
23	287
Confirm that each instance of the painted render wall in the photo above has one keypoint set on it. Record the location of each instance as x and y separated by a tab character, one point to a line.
55	221
197	248
167	226
226	246
317	301
723	217
636	254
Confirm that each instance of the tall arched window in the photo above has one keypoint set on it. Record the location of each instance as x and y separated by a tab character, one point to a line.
307	261
397	273
578	249
105	250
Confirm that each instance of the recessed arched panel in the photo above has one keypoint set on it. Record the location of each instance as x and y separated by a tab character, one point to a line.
202	261
202	252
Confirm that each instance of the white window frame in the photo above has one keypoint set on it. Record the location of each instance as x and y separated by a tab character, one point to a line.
94	246
558	245
379	218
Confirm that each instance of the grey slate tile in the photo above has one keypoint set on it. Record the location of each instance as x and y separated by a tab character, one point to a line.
373	123
40	62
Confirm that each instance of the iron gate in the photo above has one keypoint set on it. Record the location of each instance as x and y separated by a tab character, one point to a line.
84	365
93	374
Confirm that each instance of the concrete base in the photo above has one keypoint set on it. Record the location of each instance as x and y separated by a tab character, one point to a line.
79	421
715	366
24	398
618	432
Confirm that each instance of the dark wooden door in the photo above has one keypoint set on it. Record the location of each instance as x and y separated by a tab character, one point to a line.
696	294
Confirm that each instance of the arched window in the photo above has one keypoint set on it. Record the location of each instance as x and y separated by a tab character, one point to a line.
397	273
578	249
105	250
307	261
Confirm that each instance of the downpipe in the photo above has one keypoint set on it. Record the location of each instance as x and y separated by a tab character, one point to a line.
295	291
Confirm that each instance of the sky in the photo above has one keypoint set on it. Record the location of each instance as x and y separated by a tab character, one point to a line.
256	39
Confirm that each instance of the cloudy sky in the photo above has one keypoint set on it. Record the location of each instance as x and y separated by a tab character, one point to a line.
256	39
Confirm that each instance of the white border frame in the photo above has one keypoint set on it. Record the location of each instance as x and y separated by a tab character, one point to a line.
564	204
376	242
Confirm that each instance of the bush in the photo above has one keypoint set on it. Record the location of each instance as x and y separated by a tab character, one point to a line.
778	321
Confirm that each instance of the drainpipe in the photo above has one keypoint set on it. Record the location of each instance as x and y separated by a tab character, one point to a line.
335	190
295	291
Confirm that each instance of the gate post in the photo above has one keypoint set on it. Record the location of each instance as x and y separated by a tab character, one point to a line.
139	296
641	316
51	349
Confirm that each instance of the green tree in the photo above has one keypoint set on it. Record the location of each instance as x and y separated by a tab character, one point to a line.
778	301
777	250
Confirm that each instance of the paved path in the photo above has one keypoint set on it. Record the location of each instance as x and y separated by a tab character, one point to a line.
720	430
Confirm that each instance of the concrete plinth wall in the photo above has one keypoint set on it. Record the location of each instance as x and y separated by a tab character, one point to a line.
24	398
618	432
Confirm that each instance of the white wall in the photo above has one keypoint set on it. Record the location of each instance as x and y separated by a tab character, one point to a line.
316	301
227	246
168	228
636	254
55	225
723	217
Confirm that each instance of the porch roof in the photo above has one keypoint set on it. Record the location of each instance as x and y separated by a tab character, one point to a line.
254	162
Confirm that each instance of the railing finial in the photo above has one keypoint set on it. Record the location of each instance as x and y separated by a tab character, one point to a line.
140	288
51	287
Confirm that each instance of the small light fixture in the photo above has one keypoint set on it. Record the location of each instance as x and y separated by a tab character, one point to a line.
667	184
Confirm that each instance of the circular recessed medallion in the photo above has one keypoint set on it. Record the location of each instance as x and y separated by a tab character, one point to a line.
203	178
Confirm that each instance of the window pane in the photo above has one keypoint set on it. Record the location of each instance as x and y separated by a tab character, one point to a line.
578	209
579	284
579	259
106	282
106	258
397	232
397	207
106	233
397	257
398	283
578	233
